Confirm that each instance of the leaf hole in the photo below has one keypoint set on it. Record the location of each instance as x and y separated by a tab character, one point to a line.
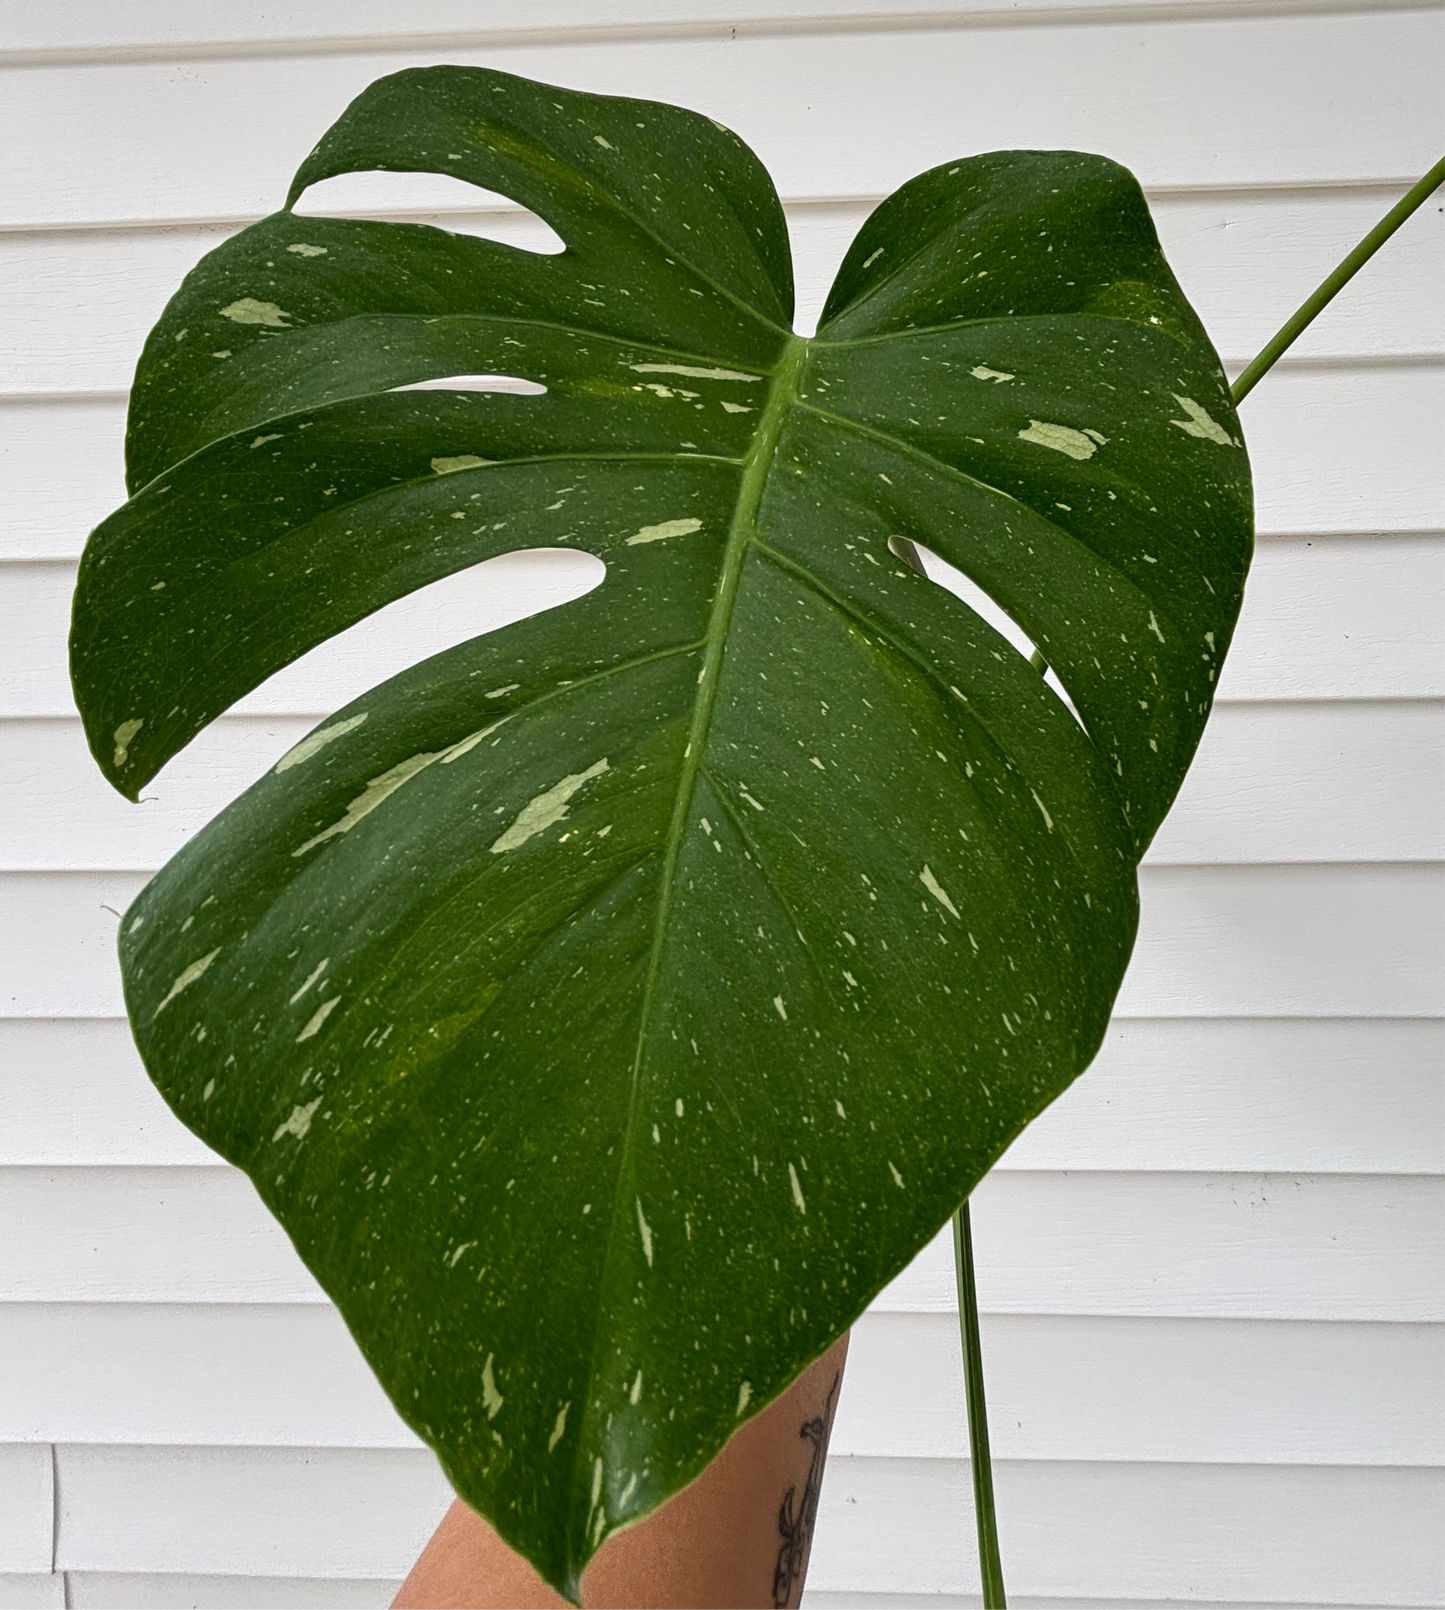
514	385
481	598
430	198
986	608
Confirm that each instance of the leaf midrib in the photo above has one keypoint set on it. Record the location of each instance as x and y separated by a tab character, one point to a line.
741	535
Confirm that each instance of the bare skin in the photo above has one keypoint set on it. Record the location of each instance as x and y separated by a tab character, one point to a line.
738	1536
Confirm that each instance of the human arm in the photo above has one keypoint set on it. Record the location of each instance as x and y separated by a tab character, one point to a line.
737	1536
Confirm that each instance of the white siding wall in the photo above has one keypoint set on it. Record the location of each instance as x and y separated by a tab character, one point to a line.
1213	1273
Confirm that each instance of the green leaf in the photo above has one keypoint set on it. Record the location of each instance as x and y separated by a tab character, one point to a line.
609	1006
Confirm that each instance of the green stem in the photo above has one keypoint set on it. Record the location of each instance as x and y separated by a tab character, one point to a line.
990	1562
1309	309
990	1558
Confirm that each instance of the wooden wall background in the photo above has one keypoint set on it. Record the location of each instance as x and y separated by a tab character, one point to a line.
1213	1273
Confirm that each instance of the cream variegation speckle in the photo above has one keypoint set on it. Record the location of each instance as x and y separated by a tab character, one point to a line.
184	980
318	1018
381	788
491	1398
691	371
317	741
124	734
299	1121
548	808
247	310
664	529
936	889
315	974
1060	438
1198	423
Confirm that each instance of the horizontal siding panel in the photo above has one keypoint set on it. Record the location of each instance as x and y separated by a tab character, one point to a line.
171	27
1291	782
1113	1531
74	1092
1272	1096
1060	1387
82	303
1184	1390
1350	618
122	1235
203	1375
101	1590
1301	941
1222	941
1315	440
1353	1095
1152	1244
1347	449
57	943
27	1507
62	471
1247	261
263	1511
1265	1246
1262	108
1120	1532
1309	782
1316	615
33	1590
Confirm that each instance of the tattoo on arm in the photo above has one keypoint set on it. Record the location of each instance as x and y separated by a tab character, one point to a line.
797	1515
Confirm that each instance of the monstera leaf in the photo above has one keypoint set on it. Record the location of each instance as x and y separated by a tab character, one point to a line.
609	1006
